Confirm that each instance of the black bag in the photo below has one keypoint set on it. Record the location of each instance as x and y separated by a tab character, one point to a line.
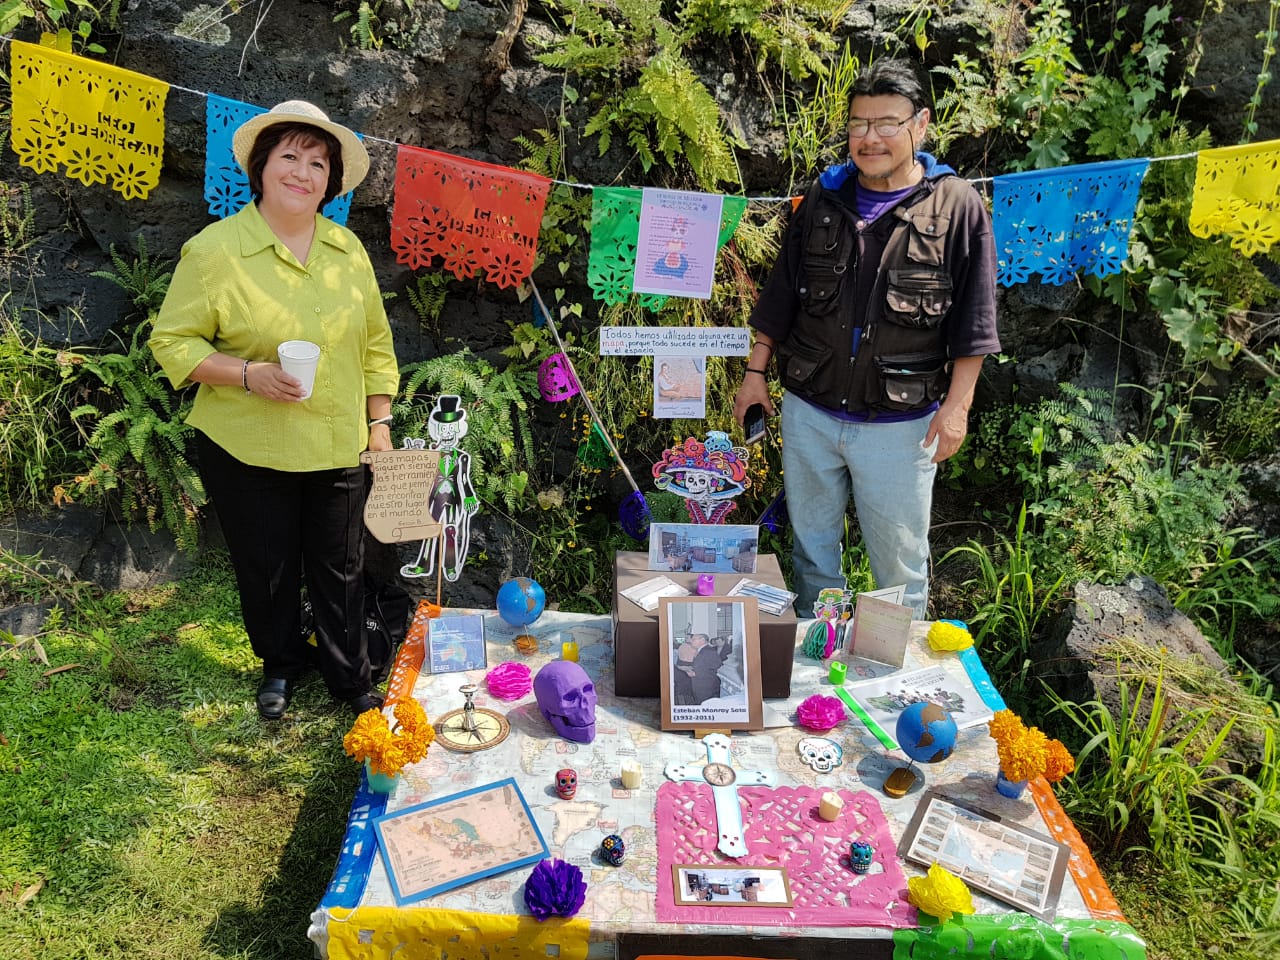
386	620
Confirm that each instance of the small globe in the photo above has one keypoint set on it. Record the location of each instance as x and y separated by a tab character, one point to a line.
926	733
521	601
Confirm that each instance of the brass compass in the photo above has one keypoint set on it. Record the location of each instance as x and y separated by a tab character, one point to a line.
471	728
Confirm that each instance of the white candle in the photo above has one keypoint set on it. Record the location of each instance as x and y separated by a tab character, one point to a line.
632	774
830	805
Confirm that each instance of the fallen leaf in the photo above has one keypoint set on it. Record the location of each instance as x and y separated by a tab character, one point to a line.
4	741
62	669
30	892
39	651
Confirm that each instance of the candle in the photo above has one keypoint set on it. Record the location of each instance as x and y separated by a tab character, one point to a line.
830	805
569	651
632	774
836	673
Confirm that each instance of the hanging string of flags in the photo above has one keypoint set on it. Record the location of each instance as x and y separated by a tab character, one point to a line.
100	124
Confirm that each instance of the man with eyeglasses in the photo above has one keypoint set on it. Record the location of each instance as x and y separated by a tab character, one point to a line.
880	309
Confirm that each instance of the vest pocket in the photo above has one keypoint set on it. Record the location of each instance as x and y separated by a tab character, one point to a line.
928	239
798	361
917	298
910	380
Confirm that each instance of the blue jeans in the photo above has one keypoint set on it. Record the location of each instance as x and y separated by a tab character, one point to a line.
891	477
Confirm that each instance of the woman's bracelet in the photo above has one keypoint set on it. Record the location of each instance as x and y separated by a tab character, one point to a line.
386	420
763	373
244	377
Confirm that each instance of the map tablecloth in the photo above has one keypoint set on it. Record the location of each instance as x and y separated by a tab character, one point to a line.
359	901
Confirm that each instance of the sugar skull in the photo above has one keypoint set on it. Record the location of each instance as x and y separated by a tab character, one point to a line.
567	698
613	849
821	754
860	854
555	379
566	783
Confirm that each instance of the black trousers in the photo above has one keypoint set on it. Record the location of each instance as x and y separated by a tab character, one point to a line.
280	526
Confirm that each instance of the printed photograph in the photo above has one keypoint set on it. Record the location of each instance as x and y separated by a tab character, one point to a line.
731	887
710	661
703	547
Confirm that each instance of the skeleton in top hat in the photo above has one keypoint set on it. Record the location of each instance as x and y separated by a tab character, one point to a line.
453	499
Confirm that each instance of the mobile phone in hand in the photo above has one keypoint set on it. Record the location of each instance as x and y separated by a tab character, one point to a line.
753	423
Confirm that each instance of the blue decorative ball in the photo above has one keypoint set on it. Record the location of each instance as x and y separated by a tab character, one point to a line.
521	601
926	733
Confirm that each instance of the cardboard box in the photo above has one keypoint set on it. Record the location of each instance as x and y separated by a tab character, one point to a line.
635	632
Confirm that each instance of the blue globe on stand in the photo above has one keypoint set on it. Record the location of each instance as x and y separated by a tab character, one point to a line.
927	734
520	602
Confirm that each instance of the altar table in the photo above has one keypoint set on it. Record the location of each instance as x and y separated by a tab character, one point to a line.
487	919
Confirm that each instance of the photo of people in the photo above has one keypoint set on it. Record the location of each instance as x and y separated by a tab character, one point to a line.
740	887
710	658
679	387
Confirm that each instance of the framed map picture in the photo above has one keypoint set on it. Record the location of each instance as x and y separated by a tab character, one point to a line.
1006	860
456	642
442	844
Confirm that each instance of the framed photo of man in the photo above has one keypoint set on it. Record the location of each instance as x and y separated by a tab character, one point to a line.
710	663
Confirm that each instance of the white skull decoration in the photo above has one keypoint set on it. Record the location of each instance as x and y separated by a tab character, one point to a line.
820	753
567	698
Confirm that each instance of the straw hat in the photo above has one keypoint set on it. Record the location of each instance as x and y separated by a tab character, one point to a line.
355	158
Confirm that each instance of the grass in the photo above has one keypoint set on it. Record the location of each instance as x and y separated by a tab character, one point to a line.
147	807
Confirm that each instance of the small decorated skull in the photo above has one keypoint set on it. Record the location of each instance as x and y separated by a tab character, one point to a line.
613	849
860	854
566	783
821	754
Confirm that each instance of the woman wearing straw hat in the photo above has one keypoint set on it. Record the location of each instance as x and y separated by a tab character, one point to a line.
281	464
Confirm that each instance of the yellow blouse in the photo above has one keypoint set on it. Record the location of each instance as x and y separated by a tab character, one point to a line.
238	290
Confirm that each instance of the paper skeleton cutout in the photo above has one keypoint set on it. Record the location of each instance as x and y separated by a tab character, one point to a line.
452	499
821	754
708	475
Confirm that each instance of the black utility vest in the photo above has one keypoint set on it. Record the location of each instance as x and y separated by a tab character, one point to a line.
899	297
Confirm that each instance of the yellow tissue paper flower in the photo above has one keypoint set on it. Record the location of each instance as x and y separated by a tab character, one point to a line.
940	894
947	636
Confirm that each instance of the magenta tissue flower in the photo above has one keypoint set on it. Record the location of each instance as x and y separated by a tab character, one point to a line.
509	681
820	713
554	889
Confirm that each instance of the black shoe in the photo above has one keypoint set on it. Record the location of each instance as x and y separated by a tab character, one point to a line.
274	694
366	701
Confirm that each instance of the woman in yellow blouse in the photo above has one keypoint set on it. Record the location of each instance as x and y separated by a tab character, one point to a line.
283	469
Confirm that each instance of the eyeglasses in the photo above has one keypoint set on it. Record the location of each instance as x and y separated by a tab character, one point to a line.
885	126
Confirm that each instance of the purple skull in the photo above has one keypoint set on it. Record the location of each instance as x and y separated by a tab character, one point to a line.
567	698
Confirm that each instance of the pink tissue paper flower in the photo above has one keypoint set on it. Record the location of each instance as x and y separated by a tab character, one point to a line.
509	681
820	713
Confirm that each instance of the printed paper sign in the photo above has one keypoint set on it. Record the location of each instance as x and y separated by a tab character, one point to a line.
650	341
676	247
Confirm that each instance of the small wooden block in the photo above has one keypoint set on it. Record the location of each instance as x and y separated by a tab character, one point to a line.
700	732
899	782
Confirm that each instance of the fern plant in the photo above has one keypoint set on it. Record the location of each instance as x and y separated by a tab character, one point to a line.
498	437
138	438
145	280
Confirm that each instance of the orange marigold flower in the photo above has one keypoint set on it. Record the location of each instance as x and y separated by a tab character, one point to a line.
1005	725
1059	763
1024	757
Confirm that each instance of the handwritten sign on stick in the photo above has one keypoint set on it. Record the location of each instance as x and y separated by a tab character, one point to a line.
398	506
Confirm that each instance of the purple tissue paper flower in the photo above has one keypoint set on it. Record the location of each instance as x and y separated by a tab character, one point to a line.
554	889
820	713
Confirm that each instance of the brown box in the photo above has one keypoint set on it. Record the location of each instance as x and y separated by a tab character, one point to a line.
635	632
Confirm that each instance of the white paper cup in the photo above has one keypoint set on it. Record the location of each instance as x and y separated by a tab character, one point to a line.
298	358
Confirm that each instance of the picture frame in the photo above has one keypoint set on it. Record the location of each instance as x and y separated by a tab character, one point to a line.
698	885
1011	863
709	652
703	547
445	843
455	643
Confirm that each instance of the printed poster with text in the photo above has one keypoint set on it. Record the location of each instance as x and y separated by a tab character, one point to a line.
676	247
